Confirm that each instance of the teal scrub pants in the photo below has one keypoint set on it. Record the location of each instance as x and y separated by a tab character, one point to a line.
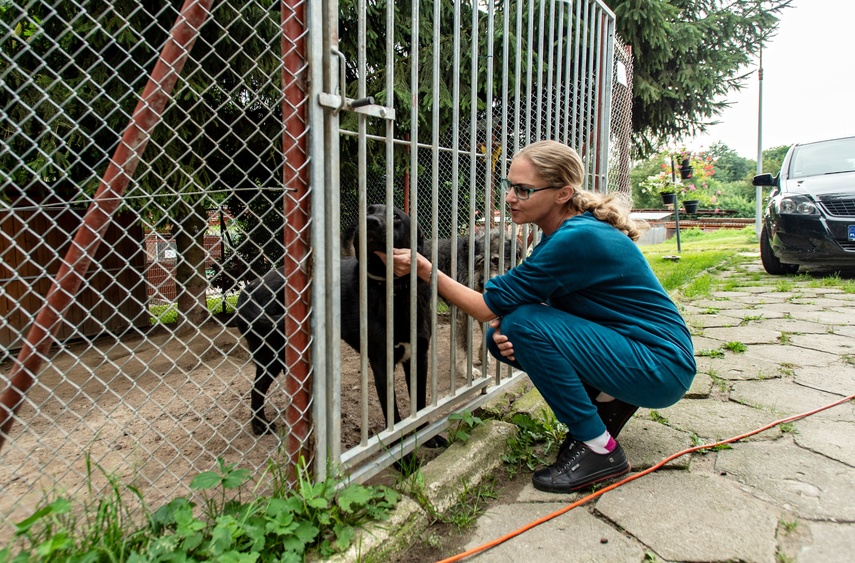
571	359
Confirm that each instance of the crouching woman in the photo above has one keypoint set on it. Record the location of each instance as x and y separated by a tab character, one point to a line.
584	316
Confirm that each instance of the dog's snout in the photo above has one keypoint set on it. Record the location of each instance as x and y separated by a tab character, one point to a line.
374	222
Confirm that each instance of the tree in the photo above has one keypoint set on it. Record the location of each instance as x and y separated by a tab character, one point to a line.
688	54
71	81
773	158
729	166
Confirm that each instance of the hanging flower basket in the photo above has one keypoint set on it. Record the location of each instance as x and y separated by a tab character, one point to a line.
668	198
691	205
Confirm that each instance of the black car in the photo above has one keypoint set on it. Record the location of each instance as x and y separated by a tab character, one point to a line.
810	218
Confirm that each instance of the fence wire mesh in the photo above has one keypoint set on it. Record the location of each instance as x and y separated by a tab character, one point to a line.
148	376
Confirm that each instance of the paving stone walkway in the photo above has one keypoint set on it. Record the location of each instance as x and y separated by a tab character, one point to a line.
786	494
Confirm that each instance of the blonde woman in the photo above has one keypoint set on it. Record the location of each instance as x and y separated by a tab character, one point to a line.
584	316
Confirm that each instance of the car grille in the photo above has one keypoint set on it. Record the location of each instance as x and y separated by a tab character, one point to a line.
838	206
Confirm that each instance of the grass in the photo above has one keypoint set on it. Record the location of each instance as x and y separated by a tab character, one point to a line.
700	252
166	314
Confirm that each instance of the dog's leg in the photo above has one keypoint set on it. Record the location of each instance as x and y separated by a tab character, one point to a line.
421	387
268	366
378	367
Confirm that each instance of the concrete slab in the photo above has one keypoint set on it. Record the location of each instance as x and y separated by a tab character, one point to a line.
746	334
701	387
718	420
683	516
791	355
825	317
839	379
808	484
830	543
572	536
832	438
784	398
646	443
738	367
794	326
831	343
701	343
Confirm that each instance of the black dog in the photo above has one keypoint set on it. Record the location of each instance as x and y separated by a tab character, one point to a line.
261	313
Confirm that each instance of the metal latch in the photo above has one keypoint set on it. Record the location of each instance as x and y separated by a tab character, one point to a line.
361	105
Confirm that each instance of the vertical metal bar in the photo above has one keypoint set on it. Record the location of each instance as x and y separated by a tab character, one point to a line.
489	203
455	183
473	169
538	123
86	241
297	206
550	69
529	85
559	85
569	86
390	199
607	89
577	48
529	72
362	195
503	159
414	197
434	225
324	166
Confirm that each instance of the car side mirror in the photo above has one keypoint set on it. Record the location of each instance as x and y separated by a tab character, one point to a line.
764	180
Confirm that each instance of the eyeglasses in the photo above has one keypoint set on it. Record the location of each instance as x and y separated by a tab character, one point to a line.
522	191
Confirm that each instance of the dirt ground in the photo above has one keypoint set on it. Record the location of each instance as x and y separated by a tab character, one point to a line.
155	410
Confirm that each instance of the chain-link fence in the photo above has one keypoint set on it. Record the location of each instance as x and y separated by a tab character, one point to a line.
160	157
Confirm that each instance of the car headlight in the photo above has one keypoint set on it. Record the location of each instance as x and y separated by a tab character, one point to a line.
797	205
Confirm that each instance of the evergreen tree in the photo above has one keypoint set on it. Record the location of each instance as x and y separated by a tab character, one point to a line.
688	54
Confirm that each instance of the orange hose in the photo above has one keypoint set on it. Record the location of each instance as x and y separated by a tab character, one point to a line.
602	491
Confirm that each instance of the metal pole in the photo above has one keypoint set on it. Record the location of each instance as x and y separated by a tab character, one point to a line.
295	172
87	239
676	205
759	191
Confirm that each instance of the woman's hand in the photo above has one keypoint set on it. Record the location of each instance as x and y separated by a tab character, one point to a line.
502	343
401	262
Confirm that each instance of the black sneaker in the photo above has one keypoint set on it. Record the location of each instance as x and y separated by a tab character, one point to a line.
615	414
577	467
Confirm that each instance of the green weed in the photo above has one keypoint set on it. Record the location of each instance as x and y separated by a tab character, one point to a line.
319	517
735	347
656	417
465	422
710	353
534	441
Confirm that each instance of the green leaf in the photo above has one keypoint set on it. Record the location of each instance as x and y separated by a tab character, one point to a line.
205	480
343	536
354	494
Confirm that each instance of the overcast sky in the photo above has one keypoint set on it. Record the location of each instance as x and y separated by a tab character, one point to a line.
808	83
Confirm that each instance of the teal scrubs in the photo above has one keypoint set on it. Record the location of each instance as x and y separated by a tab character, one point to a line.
585	309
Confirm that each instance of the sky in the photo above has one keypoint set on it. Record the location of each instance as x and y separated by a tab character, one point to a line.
808	83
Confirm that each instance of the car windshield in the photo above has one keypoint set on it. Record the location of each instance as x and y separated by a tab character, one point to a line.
826	157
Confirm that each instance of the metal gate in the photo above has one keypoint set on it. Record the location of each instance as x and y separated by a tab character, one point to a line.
424	104
270	126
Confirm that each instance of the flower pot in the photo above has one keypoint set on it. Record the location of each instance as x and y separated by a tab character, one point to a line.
668	198
691	205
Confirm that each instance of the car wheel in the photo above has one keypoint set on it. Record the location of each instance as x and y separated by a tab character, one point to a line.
770	262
